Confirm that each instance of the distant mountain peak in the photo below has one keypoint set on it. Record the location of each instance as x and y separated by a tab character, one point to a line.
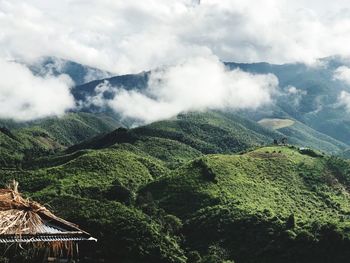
79	73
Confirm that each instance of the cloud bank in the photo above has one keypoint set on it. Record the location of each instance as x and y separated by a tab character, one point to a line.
293	95
342	73
344	100
132	36
24	96
197	84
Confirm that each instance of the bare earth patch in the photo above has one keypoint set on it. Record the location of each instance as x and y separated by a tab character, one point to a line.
276	124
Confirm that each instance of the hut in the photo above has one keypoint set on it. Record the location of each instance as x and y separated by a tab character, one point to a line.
28	224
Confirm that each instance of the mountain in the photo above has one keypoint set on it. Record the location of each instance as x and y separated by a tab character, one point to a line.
314	99
129	82
77	72
73	128
272	204
204	187
308	95
212	132
23	142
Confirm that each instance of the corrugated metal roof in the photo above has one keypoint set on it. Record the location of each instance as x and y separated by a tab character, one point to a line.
47	228
47	232
29	239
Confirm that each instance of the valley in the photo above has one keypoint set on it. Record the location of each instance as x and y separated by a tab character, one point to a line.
186	131
200	187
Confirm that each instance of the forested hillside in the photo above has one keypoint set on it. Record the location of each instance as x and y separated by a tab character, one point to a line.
23	142
199	188
216	186
289	203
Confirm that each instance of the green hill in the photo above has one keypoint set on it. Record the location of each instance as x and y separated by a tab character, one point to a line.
198	188
76	127
203	187
18	146
274	204
27	141
315	98
309	95
98	190
211	132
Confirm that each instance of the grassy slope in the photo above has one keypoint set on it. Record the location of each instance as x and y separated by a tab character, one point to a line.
197	210
50	135
25	143
222	197
93	171
217	206
302	135
97	190
73	128
266	178
211	132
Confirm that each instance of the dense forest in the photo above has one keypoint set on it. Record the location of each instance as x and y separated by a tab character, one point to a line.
205	187
244	186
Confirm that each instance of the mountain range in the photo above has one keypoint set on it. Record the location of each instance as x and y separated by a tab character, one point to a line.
266	185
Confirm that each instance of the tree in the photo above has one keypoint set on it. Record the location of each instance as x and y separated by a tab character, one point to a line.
284	140
290	224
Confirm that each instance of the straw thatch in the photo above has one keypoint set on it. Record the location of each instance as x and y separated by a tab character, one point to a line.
25	221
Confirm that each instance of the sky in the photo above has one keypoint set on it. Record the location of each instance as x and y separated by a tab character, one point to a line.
133	36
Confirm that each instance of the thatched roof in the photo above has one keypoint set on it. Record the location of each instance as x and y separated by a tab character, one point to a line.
25	221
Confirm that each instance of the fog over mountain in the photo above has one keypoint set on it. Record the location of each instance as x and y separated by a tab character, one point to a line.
122	37
198	84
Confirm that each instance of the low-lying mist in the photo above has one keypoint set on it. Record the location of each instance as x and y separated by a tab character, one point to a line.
197	84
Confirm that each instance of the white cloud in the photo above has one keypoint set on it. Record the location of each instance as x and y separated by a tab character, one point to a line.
132	36
292	90
98	99
197	84
342	73
293	95
344	100
24	96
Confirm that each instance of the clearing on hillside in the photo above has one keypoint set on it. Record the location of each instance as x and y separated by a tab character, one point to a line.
276	124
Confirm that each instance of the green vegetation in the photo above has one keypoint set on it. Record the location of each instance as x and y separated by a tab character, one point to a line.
262	206
207	133
76	127
199	188
215	208
302	135
27	141
308	95
25	144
